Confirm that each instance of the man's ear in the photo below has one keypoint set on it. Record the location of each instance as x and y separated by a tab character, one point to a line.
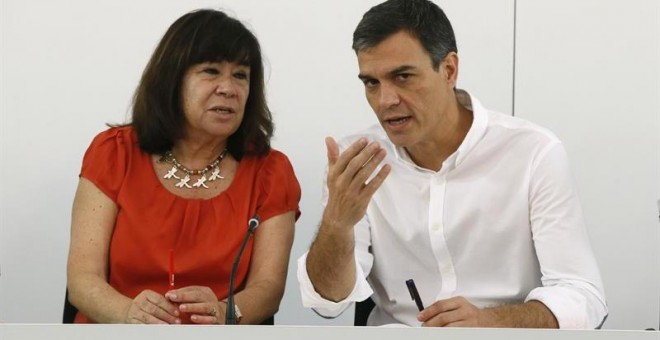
449	68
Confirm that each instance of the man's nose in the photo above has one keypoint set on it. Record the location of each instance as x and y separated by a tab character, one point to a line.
388	96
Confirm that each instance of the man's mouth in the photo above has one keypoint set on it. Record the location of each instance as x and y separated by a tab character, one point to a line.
397	121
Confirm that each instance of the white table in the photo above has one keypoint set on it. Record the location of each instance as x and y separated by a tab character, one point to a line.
168	332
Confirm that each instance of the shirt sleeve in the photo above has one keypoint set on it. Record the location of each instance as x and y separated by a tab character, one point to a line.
105	161
572	287
279	190
363	263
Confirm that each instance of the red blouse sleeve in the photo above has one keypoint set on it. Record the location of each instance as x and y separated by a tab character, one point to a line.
106	160
279	190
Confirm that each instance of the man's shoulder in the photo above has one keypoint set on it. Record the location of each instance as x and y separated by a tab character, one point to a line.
520	128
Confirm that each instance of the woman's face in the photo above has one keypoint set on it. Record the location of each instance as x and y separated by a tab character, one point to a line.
214	97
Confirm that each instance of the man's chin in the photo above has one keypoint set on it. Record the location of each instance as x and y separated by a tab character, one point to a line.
397	138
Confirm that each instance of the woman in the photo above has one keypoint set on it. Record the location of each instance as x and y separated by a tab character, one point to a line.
163	203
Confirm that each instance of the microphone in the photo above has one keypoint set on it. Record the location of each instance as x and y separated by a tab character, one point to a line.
230	315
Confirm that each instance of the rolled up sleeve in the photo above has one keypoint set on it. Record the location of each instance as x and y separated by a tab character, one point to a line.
572	287
326	308
573	308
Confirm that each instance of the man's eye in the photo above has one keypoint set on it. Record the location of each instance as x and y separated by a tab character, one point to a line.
211	70
370	82
403	76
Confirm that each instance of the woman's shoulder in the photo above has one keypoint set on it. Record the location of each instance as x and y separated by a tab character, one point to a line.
115	137
275	155
272	166
272	158
107	159
123	132
277	185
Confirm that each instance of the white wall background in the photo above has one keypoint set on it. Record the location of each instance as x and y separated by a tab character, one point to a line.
587	69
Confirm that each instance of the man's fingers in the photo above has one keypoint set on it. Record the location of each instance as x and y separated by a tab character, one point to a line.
454	312
367	169
333	150
341	161
459	324
376	182
443	319
438	307
358	161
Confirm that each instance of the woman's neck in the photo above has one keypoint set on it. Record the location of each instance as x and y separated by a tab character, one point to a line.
198	153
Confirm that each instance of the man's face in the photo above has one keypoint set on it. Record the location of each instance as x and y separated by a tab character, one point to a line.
408	96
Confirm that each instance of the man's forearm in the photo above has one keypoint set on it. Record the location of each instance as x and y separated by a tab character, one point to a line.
331	264
532	314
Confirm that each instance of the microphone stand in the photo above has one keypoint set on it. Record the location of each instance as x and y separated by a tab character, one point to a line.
230	315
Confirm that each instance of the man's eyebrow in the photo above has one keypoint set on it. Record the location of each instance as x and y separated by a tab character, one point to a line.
401	69
364	77
398	70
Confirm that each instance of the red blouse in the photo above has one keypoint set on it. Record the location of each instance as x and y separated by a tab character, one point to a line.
205	234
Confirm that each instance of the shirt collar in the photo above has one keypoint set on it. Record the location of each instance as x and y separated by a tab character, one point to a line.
478	128
476	132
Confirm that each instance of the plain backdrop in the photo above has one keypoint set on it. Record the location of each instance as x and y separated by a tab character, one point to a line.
586	69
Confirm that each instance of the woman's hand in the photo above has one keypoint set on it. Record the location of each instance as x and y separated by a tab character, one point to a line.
200	303
150	307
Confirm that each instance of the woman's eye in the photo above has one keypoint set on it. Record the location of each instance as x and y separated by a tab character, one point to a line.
210	70
241	75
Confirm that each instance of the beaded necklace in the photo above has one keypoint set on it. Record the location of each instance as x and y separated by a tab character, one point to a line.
214	167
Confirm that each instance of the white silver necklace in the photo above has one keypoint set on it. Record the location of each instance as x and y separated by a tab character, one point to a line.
214	167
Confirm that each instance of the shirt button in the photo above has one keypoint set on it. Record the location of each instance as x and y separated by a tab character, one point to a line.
439	181
436	226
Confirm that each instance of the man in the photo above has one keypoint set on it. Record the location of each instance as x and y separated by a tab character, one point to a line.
477	207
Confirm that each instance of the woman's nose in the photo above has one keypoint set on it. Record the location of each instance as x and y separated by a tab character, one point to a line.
225	87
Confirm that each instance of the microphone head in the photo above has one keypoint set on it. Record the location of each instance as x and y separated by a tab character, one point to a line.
253	223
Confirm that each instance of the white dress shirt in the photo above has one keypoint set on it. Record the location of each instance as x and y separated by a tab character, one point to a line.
499	224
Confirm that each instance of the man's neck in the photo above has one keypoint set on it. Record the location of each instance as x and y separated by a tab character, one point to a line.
432	153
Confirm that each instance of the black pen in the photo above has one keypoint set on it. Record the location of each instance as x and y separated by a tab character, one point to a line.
414	294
